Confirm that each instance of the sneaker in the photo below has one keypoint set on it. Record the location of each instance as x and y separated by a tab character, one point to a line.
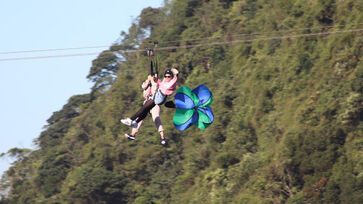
126	121
130	137
163	141
129	122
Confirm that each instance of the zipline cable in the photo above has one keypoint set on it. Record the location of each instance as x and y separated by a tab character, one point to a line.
257	33
50	56
260	39
56	49
196	45
174	41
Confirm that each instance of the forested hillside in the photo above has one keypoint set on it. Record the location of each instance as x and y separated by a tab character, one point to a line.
287	80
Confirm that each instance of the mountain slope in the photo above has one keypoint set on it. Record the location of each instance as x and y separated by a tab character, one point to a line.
288	112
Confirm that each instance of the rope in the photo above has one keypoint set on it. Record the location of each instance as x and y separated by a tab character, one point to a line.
257	33
48	50
174	41
259	39
196	45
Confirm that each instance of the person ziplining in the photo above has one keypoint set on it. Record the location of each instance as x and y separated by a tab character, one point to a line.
155	94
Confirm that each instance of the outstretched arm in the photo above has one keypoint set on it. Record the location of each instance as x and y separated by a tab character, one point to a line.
175	71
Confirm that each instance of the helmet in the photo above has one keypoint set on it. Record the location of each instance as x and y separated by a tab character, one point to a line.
168	71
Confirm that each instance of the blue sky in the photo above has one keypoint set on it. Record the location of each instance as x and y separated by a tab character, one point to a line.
31	90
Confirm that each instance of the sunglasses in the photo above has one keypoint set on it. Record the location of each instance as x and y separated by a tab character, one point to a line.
167	76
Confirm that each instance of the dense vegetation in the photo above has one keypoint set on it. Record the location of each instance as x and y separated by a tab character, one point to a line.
288	113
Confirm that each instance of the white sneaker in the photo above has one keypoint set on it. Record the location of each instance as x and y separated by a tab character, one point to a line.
126	121
163	141
129	136
129	122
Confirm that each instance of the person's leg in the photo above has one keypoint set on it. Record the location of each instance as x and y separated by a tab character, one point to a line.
134	131
162	138
140	114
143	111
155	114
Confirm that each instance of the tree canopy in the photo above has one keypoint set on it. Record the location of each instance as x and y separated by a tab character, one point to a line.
287	112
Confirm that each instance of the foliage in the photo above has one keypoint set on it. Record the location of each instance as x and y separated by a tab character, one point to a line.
288	113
